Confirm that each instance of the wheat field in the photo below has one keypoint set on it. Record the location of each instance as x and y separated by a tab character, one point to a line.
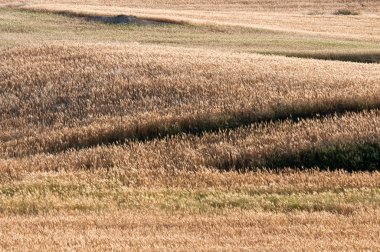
189	125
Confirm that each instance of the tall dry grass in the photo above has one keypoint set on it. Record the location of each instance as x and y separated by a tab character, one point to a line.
256	146
55	98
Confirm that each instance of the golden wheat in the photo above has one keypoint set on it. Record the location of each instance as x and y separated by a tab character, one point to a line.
238	230
55	98
224	150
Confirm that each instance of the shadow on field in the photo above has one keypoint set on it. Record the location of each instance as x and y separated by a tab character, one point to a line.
116	20
367	57
207	123
364	156
163	128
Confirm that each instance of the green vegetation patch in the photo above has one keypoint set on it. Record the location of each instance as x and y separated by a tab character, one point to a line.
40	198
346	12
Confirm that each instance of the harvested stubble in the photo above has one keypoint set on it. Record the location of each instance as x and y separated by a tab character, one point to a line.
269	5
25	27
60	97
295	20
235	231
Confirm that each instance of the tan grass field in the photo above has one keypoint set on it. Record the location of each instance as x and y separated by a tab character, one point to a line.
206	125
247	231
303	18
